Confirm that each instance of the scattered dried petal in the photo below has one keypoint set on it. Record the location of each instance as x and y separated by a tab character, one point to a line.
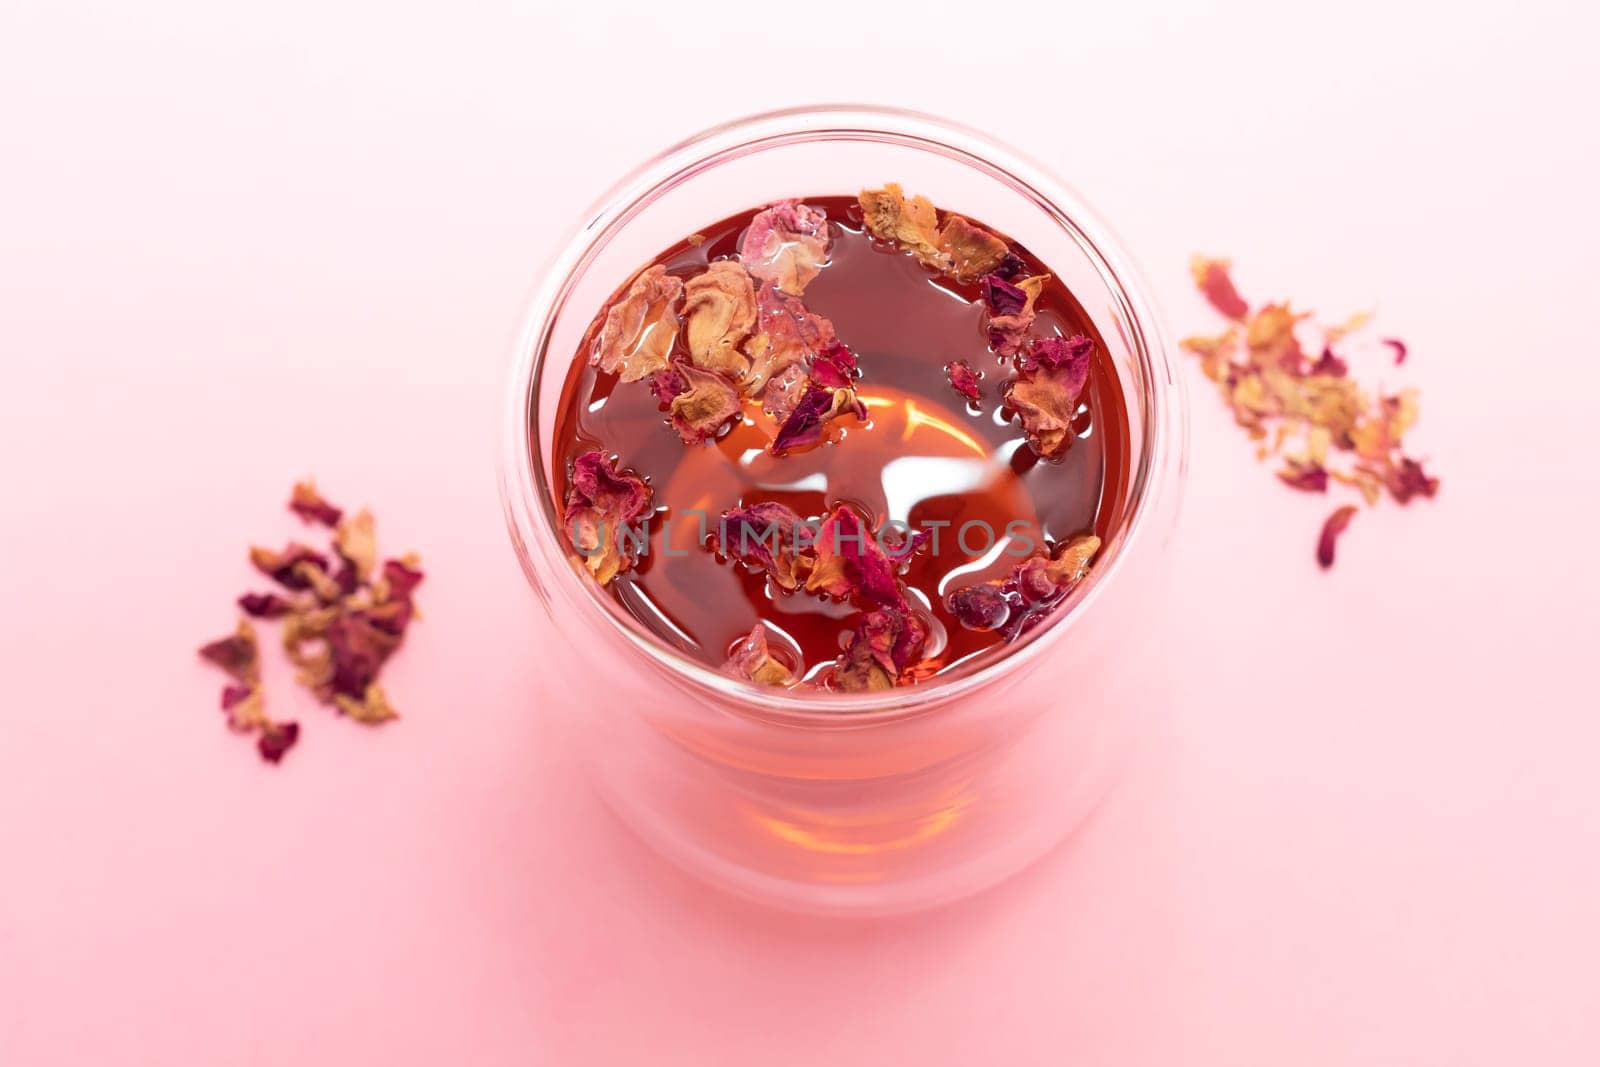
1308	477
276	739
265	605
307	503
787	245
1399	347
1407	479
284	567
752	659
964	380
601	505
719	311
237	654
356	542
1211	276
1331	530
636	337
1330	365
372	708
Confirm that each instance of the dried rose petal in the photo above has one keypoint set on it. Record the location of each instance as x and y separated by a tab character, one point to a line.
1407	479
885	642
1308	477
237	653
600	506
356	542
834	367
1009	310
265	605
1399	347
719	311
807	423
636	337
1330	365
964	380
786	334
912	224
1331	530
1052	373
704	403
1010	266
969	249
1020	600
394	607
764	534
276	739
787	245
980	607
1211	275
285	567
244	707
850	563
372	708
307	503
1271	338
785	390
359	648
752	659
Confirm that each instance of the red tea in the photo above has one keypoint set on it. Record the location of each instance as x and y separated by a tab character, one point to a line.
875	441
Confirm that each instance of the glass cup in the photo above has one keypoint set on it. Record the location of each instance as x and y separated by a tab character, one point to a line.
867	803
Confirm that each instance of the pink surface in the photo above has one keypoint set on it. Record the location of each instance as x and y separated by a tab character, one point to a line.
235	251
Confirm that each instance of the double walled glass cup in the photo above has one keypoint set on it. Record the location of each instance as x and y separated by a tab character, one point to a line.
868	803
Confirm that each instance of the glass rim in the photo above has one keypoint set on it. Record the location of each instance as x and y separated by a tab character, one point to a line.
527	497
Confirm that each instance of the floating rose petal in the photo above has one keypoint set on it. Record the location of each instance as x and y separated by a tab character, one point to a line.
307	503
851	563
970	249
1052	373
964	380
834	367
787	245
703	405
786	334
752	659
1008	310
885	642
1331	531
764	534
637	334
601	505
912	224
719	311
1021	600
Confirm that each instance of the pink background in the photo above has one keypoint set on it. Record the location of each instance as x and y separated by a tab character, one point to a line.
235	248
